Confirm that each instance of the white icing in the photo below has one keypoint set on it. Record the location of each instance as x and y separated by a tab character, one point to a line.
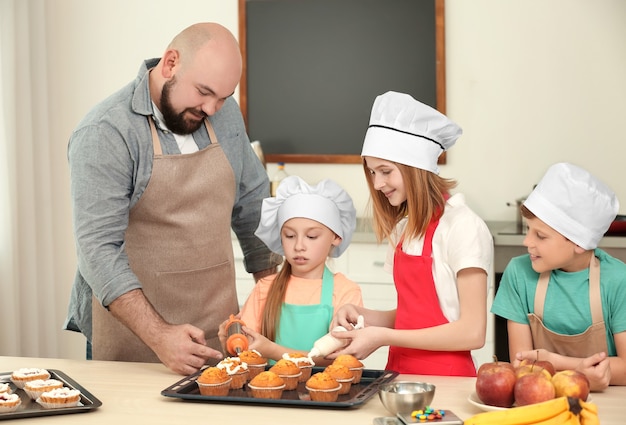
61	393
5	387
306	361
10	398
232	365
26	372
40	383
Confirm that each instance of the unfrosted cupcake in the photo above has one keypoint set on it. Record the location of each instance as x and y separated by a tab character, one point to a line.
256	362
214	381
304	363
288	371
35	388
342	374
59	397
323	387
267	385
354	364
9	402
20	376
236	369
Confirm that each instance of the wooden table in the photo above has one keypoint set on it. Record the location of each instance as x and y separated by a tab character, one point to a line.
131	394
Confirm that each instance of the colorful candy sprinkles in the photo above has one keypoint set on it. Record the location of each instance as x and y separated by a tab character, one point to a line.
428	414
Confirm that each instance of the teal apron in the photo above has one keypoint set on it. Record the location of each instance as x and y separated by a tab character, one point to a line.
301	325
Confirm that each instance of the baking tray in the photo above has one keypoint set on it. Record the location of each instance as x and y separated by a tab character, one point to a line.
187	389
30	408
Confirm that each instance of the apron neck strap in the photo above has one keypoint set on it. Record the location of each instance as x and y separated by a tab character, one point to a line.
595	300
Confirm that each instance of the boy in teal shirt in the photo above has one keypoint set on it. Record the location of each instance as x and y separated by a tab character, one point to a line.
565	301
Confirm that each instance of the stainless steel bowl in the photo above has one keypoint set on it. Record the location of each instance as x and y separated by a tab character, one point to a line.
404	397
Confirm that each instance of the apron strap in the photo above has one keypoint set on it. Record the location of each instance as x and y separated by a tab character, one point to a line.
595	300
328	280
156	144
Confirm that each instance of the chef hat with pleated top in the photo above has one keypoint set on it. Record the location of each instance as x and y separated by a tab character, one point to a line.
408	132
574	203
326	203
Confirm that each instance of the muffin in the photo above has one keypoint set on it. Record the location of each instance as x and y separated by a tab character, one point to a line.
35	388
256	362
5	388
236	369
342	374
9	402
59	397
288	371
323	387
214	381
354	364
304	363
267	385
23	375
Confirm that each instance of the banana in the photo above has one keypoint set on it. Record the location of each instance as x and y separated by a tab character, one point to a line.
564	418
588	416
531	414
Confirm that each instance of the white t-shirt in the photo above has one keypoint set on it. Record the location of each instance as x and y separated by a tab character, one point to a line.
461	240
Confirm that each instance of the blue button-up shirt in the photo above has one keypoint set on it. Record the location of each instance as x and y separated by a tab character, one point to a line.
110	157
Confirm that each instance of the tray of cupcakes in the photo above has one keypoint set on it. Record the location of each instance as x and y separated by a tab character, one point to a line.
292	380
32	392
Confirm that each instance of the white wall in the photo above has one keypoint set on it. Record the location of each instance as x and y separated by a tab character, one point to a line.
531	82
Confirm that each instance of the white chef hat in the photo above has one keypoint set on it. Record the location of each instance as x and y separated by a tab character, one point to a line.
406	131
574	203
326	203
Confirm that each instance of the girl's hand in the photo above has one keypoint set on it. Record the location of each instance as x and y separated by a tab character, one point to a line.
222	335
347	315
363	342
257	341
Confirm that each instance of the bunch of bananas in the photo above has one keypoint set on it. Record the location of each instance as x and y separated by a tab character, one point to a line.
562	410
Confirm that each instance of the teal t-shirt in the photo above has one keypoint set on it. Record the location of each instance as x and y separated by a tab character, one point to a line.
566	308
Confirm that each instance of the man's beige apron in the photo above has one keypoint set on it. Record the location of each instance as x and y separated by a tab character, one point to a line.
592	341
179	245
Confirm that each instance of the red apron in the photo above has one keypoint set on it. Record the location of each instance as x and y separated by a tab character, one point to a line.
418	308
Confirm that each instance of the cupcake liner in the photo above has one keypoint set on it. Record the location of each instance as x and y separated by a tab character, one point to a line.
255	369
10	406
220	389
345	385
357	372
58	405
331	394
239	379
267	392
306	370
291	381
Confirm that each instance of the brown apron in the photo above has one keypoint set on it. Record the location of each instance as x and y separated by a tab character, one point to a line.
585	344
179	245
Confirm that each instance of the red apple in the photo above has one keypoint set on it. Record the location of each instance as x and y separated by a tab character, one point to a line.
540	363
571	383
527	368
495	383
533	388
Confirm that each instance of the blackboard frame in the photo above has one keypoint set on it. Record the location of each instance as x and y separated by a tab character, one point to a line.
333	158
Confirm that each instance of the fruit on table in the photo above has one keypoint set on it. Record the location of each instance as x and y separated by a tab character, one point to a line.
561	410
545	364
495	383
533	387
571	383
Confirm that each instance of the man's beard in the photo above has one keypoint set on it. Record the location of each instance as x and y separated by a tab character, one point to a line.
175	121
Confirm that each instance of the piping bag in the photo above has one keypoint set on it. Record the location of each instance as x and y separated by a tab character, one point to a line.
237	341
328	343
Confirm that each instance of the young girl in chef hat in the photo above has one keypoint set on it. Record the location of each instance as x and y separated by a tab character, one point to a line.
440	251
565	301
289	311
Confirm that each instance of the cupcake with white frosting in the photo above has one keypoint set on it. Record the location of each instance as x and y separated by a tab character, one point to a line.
59	397
21	376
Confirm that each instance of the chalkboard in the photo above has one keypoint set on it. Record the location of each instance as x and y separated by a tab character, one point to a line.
312	69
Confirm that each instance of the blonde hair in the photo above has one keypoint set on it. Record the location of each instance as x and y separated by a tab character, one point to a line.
426	195
273	305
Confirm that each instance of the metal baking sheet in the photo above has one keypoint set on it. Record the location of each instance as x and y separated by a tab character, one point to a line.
187	389
30	408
